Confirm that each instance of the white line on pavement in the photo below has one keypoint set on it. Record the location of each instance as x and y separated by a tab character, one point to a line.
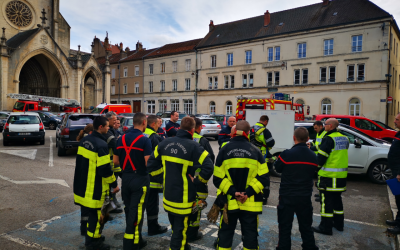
240	246
51	153
42	181
24	242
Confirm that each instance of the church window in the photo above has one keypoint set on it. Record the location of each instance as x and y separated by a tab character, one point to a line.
19	13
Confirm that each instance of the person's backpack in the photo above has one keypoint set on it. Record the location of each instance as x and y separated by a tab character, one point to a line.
254	135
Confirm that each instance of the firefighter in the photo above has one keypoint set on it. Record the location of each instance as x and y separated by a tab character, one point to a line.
394	165
160	130
200	139
241	173
133	152
112	137
93	161
172	126
319	128
117	125
333	157
298	166
225	133
177	159
263	138
152	207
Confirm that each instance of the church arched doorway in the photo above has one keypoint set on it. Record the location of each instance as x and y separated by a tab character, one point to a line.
89	91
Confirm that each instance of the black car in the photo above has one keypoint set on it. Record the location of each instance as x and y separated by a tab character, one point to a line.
50	120
221	119
69	129
3	119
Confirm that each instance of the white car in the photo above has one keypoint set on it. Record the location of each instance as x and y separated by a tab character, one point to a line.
367	155
211	127
25	126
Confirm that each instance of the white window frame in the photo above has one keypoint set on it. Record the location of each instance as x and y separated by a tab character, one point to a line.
226	82
151	69
187	84
174	105
249	56
277	73
354	73
162	86
228	108
330	71
137	71
175	66
270	78
151	87
151	106
174	85
212	108
125	88
210	82
112	89
355	41
188	64
137	88
245	82
251	80
353	107
326	75
358	73
162	106
326	109
188	106
302	50
229	58
232	81
328	47
126	72
277	53
213	61
215	78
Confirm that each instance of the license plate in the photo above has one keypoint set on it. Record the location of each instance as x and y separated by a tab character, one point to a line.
210	131
24	134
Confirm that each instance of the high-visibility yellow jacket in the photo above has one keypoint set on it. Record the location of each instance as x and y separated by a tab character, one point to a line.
155	178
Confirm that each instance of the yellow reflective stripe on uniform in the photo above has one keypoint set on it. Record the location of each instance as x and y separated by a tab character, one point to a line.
219	172
203	157
177	160
256	185
184	232
155	185
89	202
140	213
202	196
156	152
185	197
263	169
225	185
178	205
177	211
128	236
244	248
336	189
96	234
322	153
202	179
157	172
338	212
224	248
322	203
110	179
116	169
92	156
326	215
251	206
103	160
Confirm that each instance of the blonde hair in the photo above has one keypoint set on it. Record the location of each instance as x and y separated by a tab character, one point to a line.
89	128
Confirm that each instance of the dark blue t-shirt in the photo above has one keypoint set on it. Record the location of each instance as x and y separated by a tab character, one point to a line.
140	149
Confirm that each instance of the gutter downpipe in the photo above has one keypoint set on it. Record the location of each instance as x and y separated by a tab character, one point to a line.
142	102
195	87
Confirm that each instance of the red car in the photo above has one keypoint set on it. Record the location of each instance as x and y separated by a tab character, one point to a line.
363	124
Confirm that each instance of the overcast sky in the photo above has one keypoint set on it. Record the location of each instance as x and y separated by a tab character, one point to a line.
158	22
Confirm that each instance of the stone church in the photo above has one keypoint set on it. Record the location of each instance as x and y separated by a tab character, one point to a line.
35	56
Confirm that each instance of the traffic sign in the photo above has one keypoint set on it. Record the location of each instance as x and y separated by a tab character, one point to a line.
389	99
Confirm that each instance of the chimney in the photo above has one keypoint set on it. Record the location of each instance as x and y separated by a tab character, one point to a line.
325	2
139	46
211	26
122	52
121	46
267	18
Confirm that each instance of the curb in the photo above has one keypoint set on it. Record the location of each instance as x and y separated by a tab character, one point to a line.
394	209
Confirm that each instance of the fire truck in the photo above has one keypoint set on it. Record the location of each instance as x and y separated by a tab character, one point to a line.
277	101
32	103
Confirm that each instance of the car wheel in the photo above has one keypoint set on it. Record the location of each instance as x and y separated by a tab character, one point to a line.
52	126
61	151
42	142
379	172
271	168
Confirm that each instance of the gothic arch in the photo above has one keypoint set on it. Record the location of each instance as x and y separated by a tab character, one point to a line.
91	83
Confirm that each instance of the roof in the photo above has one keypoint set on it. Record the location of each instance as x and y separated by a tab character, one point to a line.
114	48
175	48
304	18
103	105
15	41
114	58
138	55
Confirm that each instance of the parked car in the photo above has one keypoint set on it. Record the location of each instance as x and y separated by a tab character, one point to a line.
49	119
69	129
383	125
167	114
3	119
367	155
25	126
126	124
126	114
363	124
166	120
211	127
117	108
221	119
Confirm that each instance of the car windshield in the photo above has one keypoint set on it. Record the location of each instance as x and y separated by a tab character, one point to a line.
129	122
209	121
97	110
19	106
365	135
23	119
383	125
182	116
80	120
49	114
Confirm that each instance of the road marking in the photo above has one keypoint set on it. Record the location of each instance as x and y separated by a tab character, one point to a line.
43	181
29	154
191	244
240	246
41	223
24	242
51	153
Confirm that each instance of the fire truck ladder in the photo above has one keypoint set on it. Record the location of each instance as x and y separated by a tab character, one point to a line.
53	100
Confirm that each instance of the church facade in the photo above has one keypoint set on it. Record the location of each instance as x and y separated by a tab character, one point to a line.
35	57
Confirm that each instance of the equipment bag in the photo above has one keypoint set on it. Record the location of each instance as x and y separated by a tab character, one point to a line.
253	137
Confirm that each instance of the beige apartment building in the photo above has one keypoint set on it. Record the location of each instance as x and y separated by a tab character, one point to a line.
170	78
394	67
333	56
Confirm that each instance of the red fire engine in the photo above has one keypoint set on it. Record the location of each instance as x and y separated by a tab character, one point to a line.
32	103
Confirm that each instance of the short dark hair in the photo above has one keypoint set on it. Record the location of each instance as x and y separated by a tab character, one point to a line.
199	122
173	113
151	119
301	134
264	118
138	119
243	126
99	121
318	123
193	116
187	123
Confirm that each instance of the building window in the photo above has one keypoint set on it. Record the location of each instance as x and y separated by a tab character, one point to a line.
296	76
244	80
350	73
125	72
188	106
269	79
354	107
302	50
162	67
150	69
277	53
187	64
361	73
210	82
326	106
229	108
270	54
136	70
174	105
113	73
213	61
251	81
174	85
212	108
226	82
113	89
151	107
175	66
300	101
215	82
248	57
305	76
332	74
356	43
277	76
187	84
125	88
162	106
328	47
136	88
322	75
232	82
230	59
150	87
162	89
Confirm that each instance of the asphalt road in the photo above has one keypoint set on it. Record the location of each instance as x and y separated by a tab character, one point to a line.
27	199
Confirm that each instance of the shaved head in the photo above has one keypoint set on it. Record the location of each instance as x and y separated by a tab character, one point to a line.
332	124
233	131
243	126
231	121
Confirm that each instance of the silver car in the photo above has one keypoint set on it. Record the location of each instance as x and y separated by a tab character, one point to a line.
211	127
